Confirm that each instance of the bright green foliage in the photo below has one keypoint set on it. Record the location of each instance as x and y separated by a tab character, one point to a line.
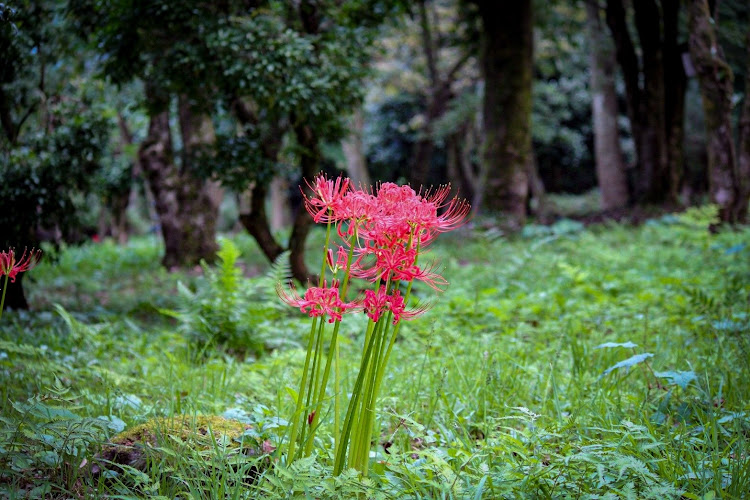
498	392
230	312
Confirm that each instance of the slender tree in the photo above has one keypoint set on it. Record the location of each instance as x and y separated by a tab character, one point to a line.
610	167
506	56
728	169
655	85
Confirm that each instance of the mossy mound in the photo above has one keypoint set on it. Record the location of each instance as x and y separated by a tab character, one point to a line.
200	433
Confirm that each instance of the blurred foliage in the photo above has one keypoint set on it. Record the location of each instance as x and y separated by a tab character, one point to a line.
292	63
561	110
47	179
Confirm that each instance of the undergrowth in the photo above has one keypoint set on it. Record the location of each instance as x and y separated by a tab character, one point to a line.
599	362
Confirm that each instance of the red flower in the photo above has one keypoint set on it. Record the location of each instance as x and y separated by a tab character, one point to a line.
328	196
341	259
375	303
318	301
11	266
398	308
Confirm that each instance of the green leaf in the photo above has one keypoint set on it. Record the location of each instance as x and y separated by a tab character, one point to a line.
627	345
292	393
631	361
682	379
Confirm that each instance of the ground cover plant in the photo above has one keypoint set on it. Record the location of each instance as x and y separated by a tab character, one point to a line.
568	361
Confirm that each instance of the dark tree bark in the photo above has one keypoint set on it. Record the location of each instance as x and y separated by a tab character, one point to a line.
675	84
309	163
506	59
256	223
716	83
610	167
655	88
743	164
186	208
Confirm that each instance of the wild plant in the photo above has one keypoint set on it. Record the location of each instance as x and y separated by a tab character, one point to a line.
11	265
382	234
226	310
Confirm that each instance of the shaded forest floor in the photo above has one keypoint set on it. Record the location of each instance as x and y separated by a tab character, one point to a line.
599	361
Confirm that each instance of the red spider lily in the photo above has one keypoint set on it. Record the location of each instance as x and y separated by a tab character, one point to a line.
398	308
11	266
318	301
426	220
375	303
328	196
341	258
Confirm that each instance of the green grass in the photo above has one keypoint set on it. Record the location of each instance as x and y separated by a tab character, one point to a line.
500	391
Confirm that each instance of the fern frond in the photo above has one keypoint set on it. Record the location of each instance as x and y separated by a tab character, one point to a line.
279	272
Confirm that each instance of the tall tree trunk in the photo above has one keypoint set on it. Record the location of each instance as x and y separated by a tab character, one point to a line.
256	223
255	220
187	210
653	177
437	100
716	79
309	163
743	163
119	202
675	84
354	152
200	198
610	167
506	60
655	90
281	215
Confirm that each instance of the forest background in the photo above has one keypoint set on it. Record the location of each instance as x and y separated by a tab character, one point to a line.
133	133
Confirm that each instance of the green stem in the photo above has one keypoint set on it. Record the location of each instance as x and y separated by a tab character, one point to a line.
2	301
310	343
368	410
356	392
312	393
301	393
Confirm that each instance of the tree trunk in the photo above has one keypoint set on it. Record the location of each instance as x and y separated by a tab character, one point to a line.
256	223
716	79
200	198
743	164
675	84
309	163
610	167
281	215
506	60
118	204
655	90
354	152
187	210
255	220
653	177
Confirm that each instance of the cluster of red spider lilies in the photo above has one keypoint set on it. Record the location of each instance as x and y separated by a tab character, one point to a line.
382	232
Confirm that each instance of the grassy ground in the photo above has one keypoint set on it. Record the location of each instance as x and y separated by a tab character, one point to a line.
566	362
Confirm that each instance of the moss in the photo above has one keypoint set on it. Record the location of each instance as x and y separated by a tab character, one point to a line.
131	447
186	428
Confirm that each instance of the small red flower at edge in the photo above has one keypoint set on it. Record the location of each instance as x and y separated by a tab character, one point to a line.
11	266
